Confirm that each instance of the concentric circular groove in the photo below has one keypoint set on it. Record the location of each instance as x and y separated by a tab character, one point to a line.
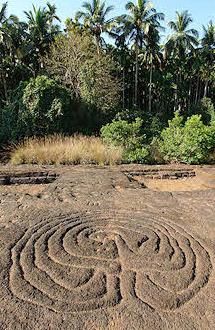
91	261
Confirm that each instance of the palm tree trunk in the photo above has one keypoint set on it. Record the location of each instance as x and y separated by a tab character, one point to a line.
150	89
176	93
5	87
97	44
189	95
197	91
123	90
206	88
176	98
136	79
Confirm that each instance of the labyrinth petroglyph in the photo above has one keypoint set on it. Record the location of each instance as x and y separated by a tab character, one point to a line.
89	261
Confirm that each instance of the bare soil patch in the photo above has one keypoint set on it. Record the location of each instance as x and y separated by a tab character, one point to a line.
95	249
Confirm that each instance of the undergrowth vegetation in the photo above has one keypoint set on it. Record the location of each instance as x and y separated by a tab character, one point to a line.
183	140
187	141
151	99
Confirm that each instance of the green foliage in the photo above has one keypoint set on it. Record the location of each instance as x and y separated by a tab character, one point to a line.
153	125
207	110
129	136
171	139
123	133
92	80
138	155
156	126
37	107
9	122
90	76
99	87
190	142
155	155
47	107
129	114
66	58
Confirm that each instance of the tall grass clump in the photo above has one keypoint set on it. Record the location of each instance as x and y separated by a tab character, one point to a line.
58	149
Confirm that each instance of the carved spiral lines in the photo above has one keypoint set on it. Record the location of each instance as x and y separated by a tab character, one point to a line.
87	262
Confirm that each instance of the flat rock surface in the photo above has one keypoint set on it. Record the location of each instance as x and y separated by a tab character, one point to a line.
96	249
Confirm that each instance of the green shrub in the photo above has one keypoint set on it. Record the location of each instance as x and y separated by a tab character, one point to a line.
38	107
10	113
153	124
127	135
138	155
206	109
47	106
129	114
190	142
155	154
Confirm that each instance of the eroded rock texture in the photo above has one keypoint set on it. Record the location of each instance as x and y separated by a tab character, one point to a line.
95	250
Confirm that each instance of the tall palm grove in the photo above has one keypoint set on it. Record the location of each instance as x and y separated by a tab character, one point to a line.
122	78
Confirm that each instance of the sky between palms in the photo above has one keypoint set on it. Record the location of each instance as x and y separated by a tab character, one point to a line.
202	11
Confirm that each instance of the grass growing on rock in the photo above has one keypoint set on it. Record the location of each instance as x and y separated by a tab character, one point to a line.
59	149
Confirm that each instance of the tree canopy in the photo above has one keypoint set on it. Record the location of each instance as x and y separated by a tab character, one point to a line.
107	66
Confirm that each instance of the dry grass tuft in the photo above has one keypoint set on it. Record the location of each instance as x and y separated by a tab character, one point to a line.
58	149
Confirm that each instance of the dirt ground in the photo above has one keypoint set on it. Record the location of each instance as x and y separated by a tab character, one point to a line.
100	248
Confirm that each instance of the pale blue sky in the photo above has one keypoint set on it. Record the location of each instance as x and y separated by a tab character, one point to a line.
201	10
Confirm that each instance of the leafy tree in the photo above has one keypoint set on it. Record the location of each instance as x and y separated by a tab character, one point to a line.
38	107
66	58
47	107
207	110
100	87
190	142
151	57
6	46
90	76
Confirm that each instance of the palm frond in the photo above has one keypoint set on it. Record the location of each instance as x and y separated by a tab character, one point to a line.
3	12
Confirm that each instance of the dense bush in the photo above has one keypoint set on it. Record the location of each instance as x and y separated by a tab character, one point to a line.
189	142
9	121
47	107
153	124
37	107
207	110
129	136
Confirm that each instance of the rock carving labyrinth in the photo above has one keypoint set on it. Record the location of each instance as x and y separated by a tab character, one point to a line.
88	261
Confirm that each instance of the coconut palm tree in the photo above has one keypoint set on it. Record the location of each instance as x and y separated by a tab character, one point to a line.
151	57
42	29
6	45
183	38
137	23
3	13
208	39
4	37
208	55
94	17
